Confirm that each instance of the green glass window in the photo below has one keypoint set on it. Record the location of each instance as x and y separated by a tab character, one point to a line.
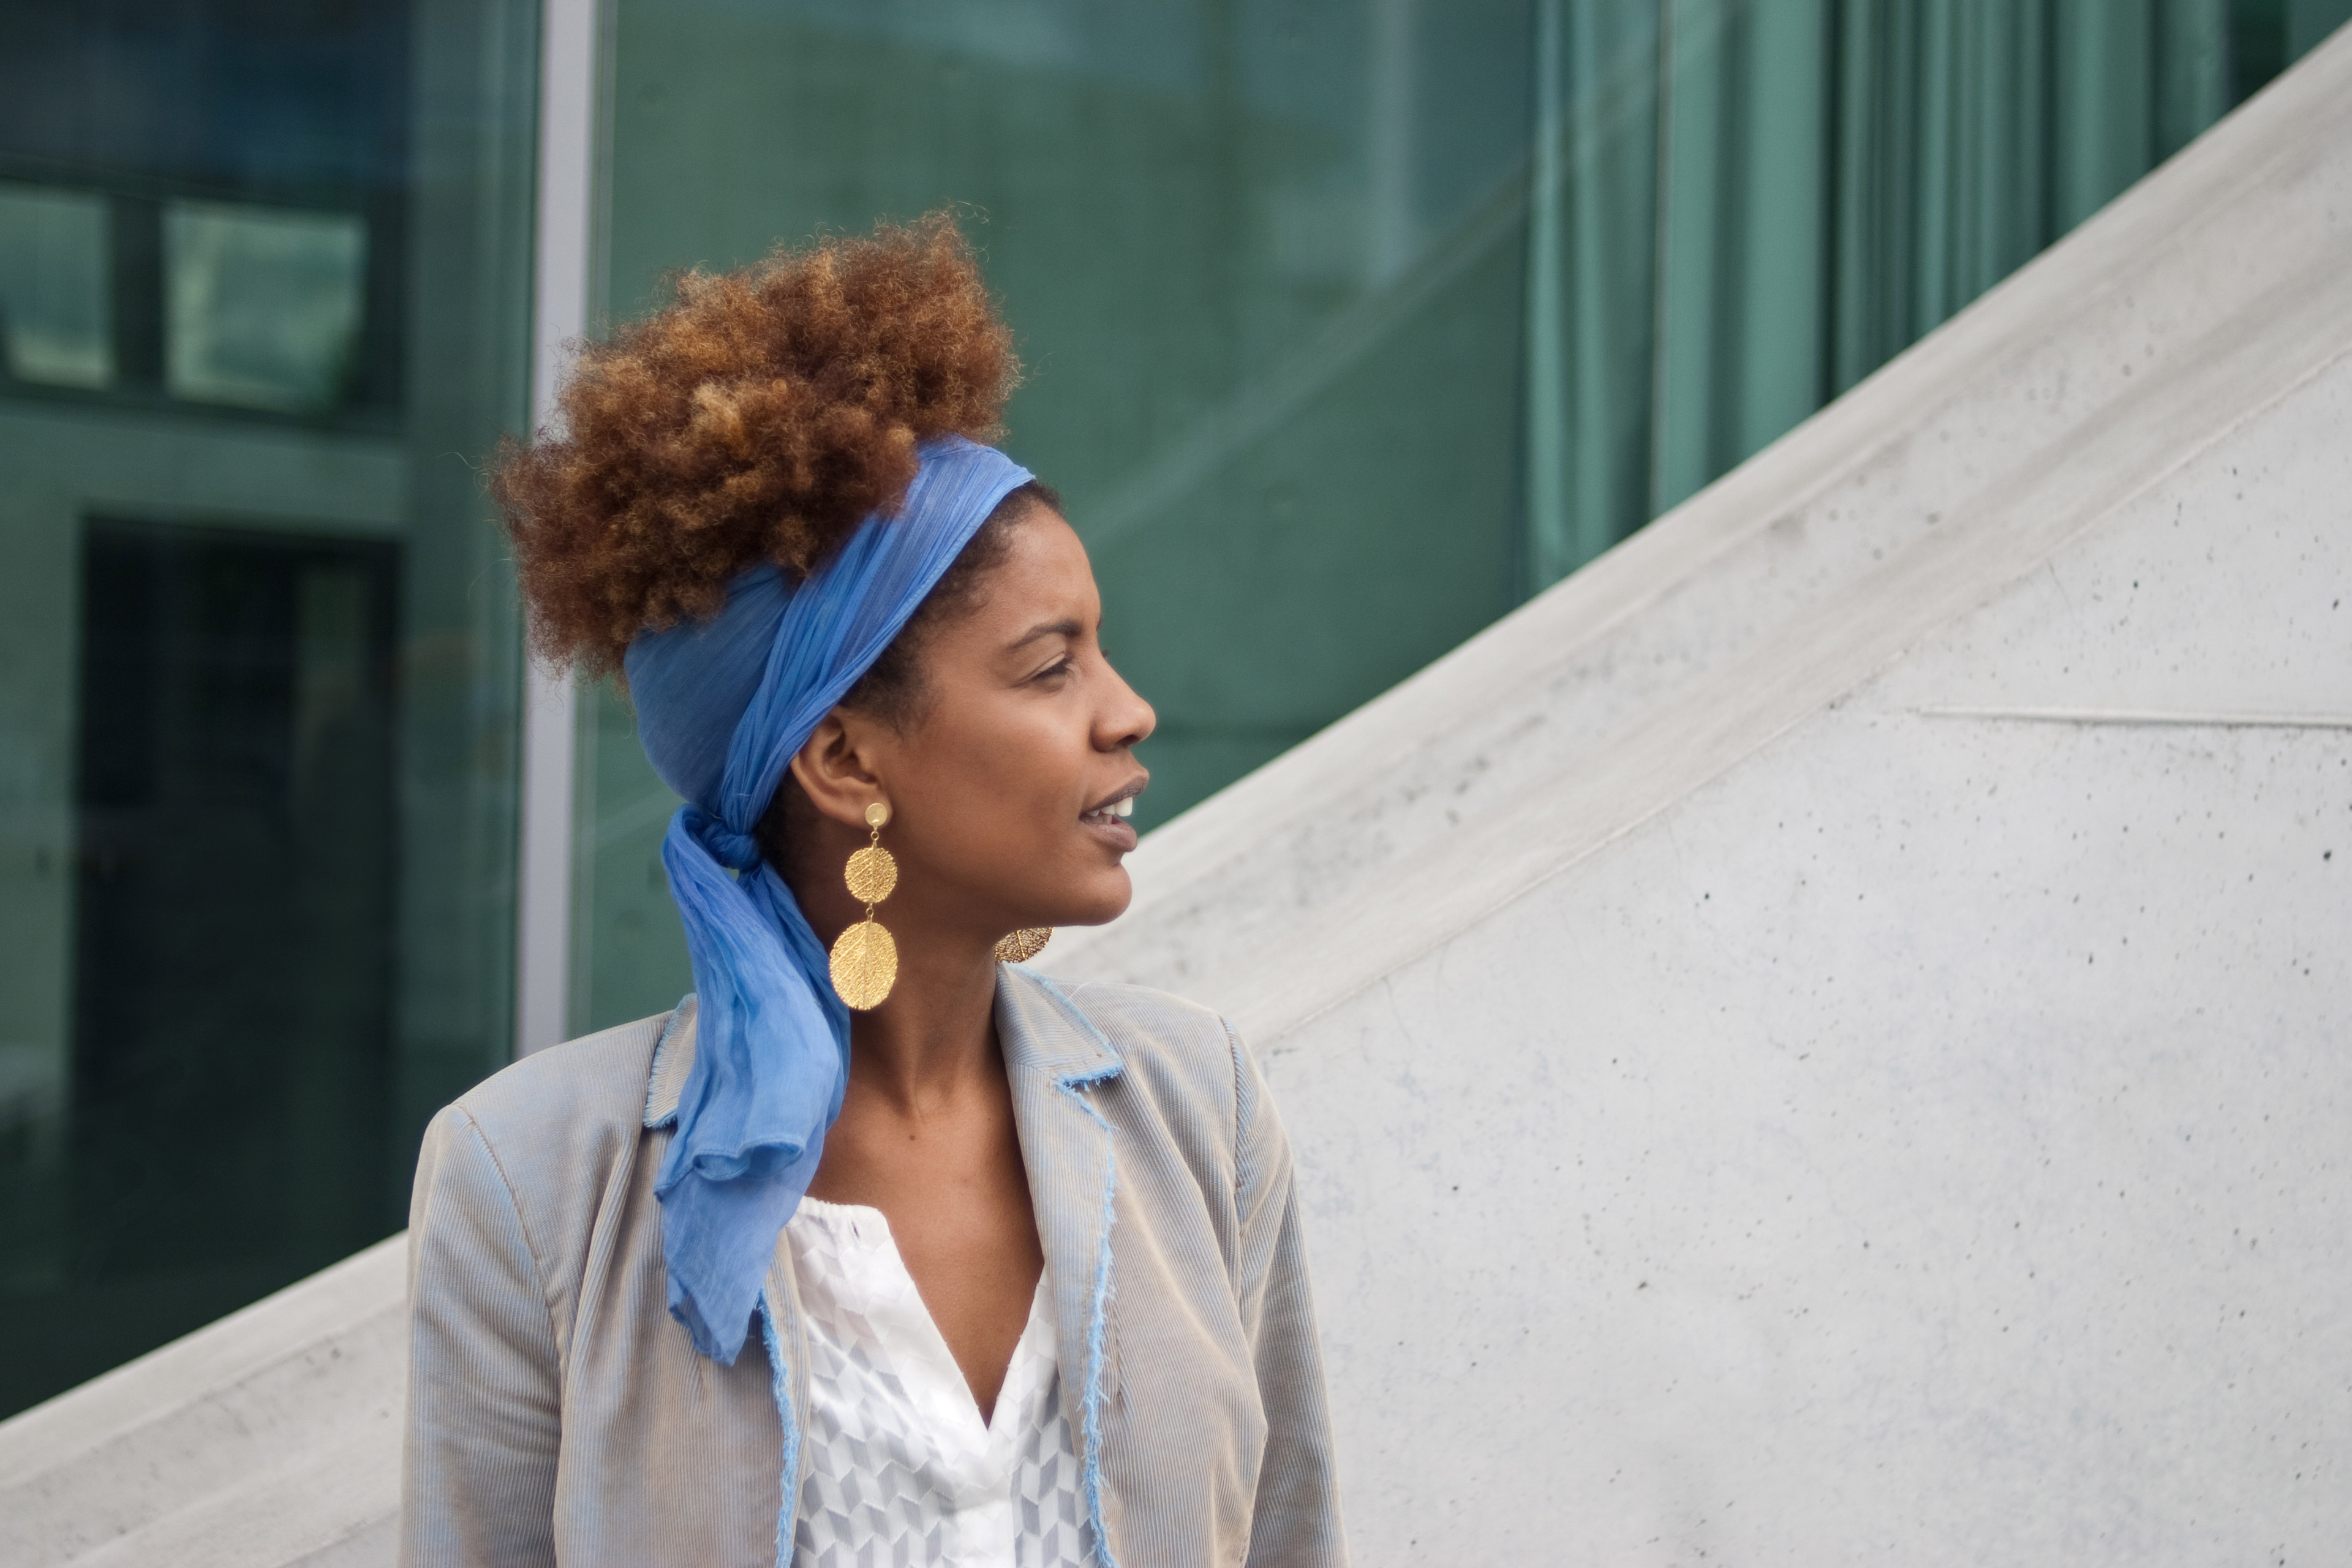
264	290
53	281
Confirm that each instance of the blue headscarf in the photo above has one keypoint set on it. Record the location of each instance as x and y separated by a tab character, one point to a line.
722	707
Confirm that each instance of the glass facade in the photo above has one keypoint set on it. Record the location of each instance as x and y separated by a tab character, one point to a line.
1349	326
264	284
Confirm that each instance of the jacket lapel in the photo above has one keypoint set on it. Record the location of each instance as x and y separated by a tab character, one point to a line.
783	1329
673	1055
1057	1062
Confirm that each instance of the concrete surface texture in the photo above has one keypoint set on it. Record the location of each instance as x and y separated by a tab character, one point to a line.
1821	1037
269	1437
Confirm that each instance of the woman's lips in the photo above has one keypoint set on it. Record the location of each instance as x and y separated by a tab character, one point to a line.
1110	820
1123	807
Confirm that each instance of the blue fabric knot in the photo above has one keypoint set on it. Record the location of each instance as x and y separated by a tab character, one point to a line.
736	851
722	708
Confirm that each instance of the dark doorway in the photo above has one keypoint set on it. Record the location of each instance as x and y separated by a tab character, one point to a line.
234	949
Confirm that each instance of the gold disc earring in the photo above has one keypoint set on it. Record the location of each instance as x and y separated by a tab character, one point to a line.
864	962
1024	944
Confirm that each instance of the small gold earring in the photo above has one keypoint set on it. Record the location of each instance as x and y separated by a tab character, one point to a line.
1024	944
864	962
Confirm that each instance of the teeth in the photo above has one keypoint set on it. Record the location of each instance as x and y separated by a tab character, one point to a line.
1124	807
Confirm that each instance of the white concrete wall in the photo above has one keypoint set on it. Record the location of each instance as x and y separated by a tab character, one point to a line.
1821	1039
272	1437
1927	1137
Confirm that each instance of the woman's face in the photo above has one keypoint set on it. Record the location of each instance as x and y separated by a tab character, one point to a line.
1005	786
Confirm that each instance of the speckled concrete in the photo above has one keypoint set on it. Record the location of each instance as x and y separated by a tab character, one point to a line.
1928	1140
269	1437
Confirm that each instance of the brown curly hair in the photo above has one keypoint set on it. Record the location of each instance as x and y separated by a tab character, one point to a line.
761	417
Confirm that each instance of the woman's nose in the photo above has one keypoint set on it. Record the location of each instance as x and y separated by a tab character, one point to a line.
1126	719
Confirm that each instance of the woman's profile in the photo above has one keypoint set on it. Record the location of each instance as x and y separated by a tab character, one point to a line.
881	1248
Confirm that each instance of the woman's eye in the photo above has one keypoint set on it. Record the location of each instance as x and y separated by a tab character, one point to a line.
1060	667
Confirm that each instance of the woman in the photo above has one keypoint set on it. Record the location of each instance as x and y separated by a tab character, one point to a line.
880	1249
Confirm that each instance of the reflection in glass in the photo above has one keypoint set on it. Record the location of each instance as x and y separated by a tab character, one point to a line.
258	660
53	287
264	304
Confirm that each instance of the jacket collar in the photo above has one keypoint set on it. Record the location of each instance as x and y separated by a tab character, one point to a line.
1042	1032
673	1058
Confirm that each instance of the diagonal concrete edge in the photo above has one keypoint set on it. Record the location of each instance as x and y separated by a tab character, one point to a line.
2261	202
1691	735
295	1398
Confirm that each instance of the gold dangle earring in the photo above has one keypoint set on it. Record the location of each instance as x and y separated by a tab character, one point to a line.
864	962
1024	944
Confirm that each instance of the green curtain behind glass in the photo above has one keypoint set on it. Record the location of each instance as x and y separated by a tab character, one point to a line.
1739	208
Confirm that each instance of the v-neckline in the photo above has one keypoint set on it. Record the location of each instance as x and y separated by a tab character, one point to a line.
907	1317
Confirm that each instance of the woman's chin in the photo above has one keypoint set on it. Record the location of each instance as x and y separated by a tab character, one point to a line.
1103	900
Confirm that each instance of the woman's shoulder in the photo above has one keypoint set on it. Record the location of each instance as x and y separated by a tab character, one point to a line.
568	1102
1160	1014
1175	1044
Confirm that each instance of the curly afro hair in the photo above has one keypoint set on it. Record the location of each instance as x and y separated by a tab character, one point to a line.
761	417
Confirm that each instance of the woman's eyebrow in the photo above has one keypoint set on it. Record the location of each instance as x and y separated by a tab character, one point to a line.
1063	628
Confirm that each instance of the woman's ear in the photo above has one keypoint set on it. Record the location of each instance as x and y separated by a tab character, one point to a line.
834	770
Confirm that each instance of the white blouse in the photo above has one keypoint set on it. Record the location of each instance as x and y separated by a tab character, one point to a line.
897	1467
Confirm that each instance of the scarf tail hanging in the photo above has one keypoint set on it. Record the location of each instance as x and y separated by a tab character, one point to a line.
772	1040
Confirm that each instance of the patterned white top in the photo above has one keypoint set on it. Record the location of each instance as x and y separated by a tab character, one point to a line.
897	1467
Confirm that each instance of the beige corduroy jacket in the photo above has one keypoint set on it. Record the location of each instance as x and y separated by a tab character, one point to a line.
557	1415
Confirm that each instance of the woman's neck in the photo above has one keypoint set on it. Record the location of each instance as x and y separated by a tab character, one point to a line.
933	1041
927	1133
